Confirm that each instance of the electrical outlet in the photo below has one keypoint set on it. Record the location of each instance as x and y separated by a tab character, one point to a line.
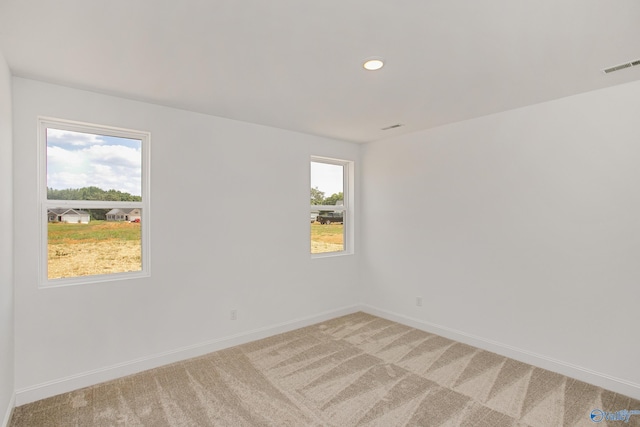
419	301
234	314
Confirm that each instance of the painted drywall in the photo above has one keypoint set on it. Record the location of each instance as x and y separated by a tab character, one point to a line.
229	230
520	231
6	246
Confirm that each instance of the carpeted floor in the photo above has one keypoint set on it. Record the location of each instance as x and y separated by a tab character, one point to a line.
356	370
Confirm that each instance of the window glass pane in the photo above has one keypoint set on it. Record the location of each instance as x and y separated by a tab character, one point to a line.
328	235
327	184
84	166
327	226
85	242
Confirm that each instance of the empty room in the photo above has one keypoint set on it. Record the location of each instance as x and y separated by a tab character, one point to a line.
338	213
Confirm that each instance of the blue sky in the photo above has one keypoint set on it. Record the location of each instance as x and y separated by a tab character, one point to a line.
76	160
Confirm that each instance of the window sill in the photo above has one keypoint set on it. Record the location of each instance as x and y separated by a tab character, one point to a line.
94	279
331	254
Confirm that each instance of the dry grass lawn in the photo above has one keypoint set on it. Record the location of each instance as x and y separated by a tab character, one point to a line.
96	248
327	238
102	247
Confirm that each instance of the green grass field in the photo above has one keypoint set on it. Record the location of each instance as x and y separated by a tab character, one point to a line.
95	231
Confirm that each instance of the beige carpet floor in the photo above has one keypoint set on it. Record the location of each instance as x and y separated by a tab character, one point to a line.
356	370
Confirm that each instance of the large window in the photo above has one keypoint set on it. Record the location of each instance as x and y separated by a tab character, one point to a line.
94	192
331	211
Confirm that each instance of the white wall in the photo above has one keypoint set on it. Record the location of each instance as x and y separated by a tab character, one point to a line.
6	247
520	230
244	190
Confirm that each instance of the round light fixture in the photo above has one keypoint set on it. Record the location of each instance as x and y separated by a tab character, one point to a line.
372	64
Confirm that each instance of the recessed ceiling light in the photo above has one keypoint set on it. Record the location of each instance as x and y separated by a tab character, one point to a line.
372	64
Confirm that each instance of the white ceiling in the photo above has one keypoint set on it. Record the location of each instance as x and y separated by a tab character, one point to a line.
296	64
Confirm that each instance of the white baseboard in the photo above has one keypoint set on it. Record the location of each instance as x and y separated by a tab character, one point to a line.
9	412
86	379
599	379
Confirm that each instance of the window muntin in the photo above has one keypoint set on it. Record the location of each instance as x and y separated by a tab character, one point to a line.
330	206
95	210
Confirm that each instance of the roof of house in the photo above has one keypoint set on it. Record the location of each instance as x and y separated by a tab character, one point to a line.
64	211
124	211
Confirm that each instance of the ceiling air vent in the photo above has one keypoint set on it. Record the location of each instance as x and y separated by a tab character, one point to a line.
621	66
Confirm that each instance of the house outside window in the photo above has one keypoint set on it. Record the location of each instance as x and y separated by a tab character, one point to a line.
94	196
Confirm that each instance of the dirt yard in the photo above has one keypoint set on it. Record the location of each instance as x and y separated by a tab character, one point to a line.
102	247
96	248
86	259
326	238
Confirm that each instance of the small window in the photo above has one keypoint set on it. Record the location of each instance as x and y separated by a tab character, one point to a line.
331	212
95	202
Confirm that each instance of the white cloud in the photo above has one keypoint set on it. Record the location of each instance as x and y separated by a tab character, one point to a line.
104	166
62	180
328	178
58	137
114	156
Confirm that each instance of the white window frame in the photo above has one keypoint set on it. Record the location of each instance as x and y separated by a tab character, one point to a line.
45	204
347	208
